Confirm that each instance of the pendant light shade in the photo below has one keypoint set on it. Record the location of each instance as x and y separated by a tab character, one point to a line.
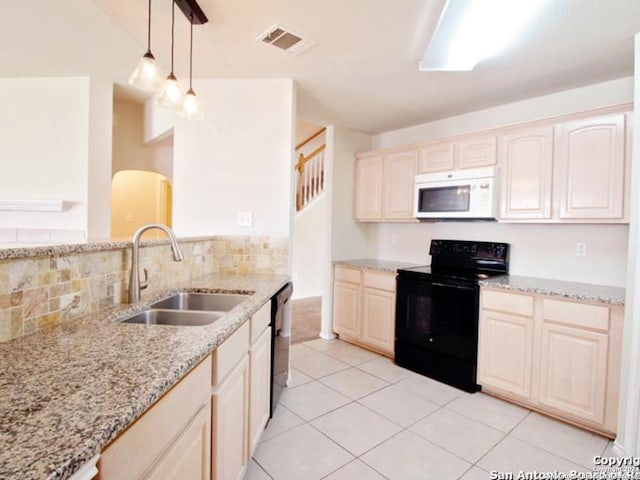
191	106
170	95
146	75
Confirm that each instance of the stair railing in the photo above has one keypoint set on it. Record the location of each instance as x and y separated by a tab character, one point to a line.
310	180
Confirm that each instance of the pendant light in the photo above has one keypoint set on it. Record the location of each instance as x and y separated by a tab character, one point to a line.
170	95
191	106
146	75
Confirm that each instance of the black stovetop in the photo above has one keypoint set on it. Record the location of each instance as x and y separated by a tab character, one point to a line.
464	260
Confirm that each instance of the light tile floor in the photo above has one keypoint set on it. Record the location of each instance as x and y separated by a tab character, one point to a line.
352	414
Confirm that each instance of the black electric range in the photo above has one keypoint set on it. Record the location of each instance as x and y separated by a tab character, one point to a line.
437	309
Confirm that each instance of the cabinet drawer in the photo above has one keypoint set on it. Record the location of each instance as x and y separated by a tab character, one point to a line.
345	274
583	315
507	302
382	281
227	355
260	320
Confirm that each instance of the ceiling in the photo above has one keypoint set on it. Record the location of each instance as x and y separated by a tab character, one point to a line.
362	74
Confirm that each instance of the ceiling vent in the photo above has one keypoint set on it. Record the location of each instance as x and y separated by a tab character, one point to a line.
284	39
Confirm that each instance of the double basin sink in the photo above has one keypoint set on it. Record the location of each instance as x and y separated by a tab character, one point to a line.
188	309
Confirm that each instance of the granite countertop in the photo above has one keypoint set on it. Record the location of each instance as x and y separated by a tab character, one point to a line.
375	264
573	290
67	391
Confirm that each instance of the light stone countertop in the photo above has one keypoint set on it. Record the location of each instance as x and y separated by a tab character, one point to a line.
375	264
67	391
573	290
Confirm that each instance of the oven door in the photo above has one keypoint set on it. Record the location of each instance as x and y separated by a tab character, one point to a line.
438	315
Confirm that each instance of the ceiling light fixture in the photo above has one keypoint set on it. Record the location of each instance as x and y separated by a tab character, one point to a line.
191	106
146	76
472	30
170	95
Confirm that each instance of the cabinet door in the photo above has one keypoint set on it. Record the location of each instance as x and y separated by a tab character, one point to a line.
525	160
398	185
189	456
573	370
505	352
476	152
368	188
230	425
589	161
346	309
378	319
436	157
259	394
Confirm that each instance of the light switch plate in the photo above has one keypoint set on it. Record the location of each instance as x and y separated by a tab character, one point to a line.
245	219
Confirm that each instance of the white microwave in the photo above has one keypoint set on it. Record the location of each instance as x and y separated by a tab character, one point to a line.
469	193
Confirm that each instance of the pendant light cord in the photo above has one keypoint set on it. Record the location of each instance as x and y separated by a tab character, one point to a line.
173	25
149	29
191	53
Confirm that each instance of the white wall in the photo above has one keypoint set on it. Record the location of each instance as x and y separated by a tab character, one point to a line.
239	158
130	152
613	92
44	147
547	251
307	263
537	250
98	161
344	237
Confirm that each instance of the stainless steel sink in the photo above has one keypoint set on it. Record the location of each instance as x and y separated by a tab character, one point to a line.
179	318
210	302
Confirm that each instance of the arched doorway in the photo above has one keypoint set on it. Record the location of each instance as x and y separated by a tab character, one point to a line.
139	197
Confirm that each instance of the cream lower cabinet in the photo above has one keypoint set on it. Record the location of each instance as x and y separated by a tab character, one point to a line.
230	407
259	375
364	307
171	440
557	356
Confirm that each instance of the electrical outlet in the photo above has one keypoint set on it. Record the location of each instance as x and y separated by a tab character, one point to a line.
581	249
245	219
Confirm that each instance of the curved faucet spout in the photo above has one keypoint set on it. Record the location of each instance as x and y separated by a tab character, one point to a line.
135	286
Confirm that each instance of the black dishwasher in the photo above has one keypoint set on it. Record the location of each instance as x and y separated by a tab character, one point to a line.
280	336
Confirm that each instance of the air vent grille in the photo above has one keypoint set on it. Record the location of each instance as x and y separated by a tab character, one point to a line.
284	39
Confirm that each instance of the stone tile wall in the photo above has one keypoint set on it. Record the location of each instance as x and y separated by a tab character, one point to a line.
36	292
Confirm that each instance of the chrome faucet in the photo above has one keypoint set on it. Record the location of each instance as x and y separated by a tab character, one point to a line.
135	285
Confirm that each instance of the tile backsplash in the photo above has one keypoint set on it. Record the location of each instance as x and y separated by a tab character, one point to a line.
39	291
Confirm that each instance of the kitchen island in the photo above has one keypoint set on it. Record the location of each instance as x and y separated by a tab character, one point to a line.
67	391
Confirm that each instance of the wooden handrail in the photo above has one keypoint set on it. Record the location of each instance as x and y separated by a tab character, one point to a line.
315	135
302	159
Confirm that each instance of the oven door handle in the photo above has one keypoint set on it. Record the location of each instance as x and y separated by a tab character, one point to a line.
451	285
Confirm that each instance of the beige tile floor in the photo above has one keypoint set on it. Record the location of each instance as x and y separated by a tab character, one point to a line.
350	414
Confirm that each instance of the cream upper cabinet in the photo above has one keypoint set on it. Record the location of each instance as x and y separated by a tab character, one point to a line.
525	161
436	157
558	356
368	188
384	186
476	152
398	179
590	164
